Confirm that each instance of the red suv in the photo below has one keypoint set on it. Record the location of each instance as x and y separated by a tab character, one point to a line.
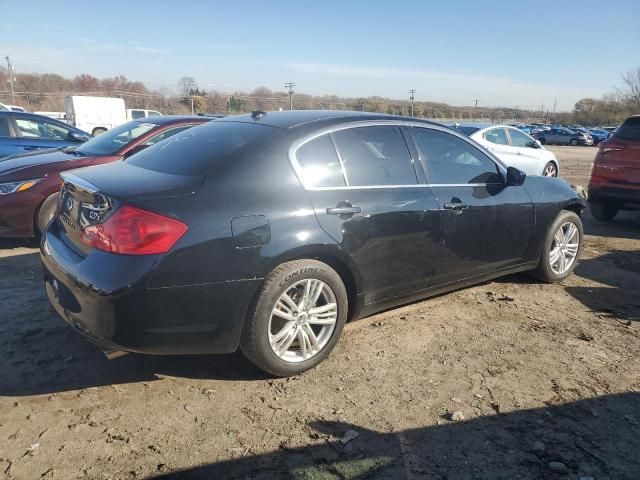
615	176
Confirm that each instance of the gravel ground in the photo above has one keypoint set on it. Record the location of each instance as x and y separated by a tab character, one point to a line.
508	379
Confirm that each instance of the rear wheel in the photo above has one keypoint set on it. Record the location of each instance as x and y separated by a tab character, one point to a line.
573	142
550	170
562	248
46	213
98	131
603	211
297	319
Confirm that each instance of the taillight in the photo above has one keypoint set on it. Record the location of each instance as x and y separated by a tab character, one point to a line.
132	231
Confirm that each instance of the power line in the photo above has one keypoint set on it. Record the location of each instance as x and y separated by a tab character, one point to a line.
290	86
412	93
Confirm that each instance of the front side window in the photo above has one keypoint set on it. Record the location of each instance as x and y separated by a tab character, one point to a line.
497	136
35	128
375	155
520	139
453	161
319	163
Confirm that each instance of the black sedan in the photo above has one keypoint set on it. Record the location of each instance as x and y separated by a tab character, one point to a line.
267	232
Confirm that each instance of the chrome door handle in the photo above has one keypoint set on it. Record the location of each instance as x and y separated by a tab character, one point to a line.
455	206
343	210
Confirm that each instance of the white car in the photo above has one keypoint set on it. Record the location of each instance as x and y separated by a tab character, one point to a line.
512	146
138	113
4	108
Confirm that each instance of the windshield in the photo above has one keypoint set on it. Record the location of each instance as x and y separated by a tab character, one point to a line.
3	108
113	140
200	148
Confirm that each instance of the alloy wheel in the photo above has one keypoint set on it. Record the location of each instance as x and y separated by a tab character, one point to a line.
564	248
550	170
303	320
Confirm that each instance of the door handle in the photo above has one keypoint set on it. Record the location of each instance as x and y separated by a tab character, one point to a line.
343	210
31	148
455	206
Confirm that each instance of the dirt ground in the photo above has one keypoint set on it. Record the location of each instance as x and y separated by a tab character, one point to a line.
544	381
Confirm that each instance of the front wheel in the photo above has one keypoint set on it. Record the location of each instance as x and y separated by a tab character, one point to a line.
561	249
550	170
98	131
542	141
297	318
46	213
573	142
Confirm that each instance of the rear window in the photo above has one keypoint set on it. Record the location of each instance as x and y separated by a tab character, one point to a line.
629	130
197	149
467	130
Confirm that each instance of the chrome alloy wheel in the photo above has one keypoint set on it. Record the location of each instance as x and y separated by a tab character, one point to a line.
564	248
303	320
550	170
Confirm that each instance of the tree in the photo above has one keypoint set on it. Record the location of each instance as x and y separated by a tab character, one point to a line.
632	81
186	85
85	83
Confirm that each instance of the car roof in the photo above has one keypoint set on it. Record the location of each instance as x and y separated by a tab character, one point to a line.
165	119
294	118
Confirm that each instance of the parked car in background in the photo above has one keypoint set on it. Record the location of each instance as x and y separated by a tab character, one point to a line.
614	184
29	184
138	113
16	108
20	132
514	147
563	136
268	231
598	135
55	115
609	129
95	114
4	108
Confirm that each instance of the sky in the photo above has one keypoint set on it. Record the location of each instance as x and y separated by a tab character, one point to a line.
502	53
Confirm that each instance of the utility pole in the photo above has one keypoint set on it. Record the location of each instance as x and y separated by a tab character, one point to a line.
11	72
290	86
412	93
475	107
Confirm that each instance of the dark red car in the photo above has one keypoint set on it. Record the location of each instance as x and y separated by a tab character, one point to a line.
615	177
29	183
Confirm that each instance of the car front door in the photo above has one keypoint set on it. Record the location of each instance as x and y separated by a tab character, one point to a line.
9	143
527	152
365	193
496	141
486	225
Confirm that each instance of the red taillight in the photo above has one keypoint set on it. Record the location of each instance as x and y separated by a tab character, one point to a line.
132	231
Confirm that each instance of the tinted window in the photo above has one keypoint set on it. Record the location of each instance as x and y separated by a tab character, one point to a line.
629	130
166	134
375	156
36	128
4	127
466	130
454	161
320	166
497	135
519	139
198	149
136	114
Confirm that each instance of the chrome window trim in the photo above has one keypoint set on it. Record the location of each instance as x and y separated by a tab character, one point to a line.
419	185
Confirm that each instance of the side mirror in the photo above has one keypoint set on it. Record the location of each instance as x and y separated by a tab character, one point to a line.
534	144
515	177
77	137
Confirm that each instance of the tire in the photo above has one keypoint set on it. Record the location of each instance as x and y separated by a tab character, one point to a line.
542	141
262	326
573	142
46	213
603	211
545	270
550	170
98	131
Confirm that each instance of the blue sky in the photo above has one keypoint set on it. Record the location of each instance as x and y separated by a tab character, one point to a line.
509	53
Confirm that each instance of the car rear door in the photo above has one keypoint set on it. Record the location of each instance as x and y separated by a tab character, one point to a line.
366	195
486	226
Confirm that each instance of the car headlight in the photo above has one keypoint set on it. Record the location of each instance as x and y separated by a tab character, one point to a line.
19	186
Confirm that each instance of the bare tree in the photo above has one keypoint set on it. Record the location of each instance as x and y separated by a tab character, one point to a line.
186	85
632	80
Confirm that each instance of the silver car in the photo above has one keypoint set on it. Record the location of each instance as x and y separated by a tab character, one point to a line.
564	136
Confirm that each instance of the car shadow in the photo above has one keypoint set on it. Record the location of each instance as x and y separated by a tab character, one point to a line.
624	225
41	354
595	438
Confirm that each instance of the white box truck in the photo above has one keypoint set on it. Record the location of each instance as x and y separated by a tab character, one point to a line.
95	114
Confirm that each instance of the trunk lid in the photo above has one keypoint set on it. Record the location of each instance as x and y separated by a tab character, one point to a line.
90	195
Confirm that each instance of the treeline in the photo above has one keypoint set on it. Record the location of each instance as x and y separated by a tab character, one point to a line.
46	92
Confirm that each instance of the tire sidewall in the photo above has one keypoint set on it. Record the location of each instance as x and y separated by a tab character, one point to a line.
280	281
545	266
45	213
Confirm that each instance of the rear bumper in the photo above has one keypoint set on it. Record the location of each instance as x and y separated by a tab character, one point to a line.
615	193
106	298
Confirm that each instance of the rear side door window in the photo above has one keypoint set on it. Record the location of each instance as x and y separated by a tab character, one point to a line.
375	156
319	165
453	161
5	130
